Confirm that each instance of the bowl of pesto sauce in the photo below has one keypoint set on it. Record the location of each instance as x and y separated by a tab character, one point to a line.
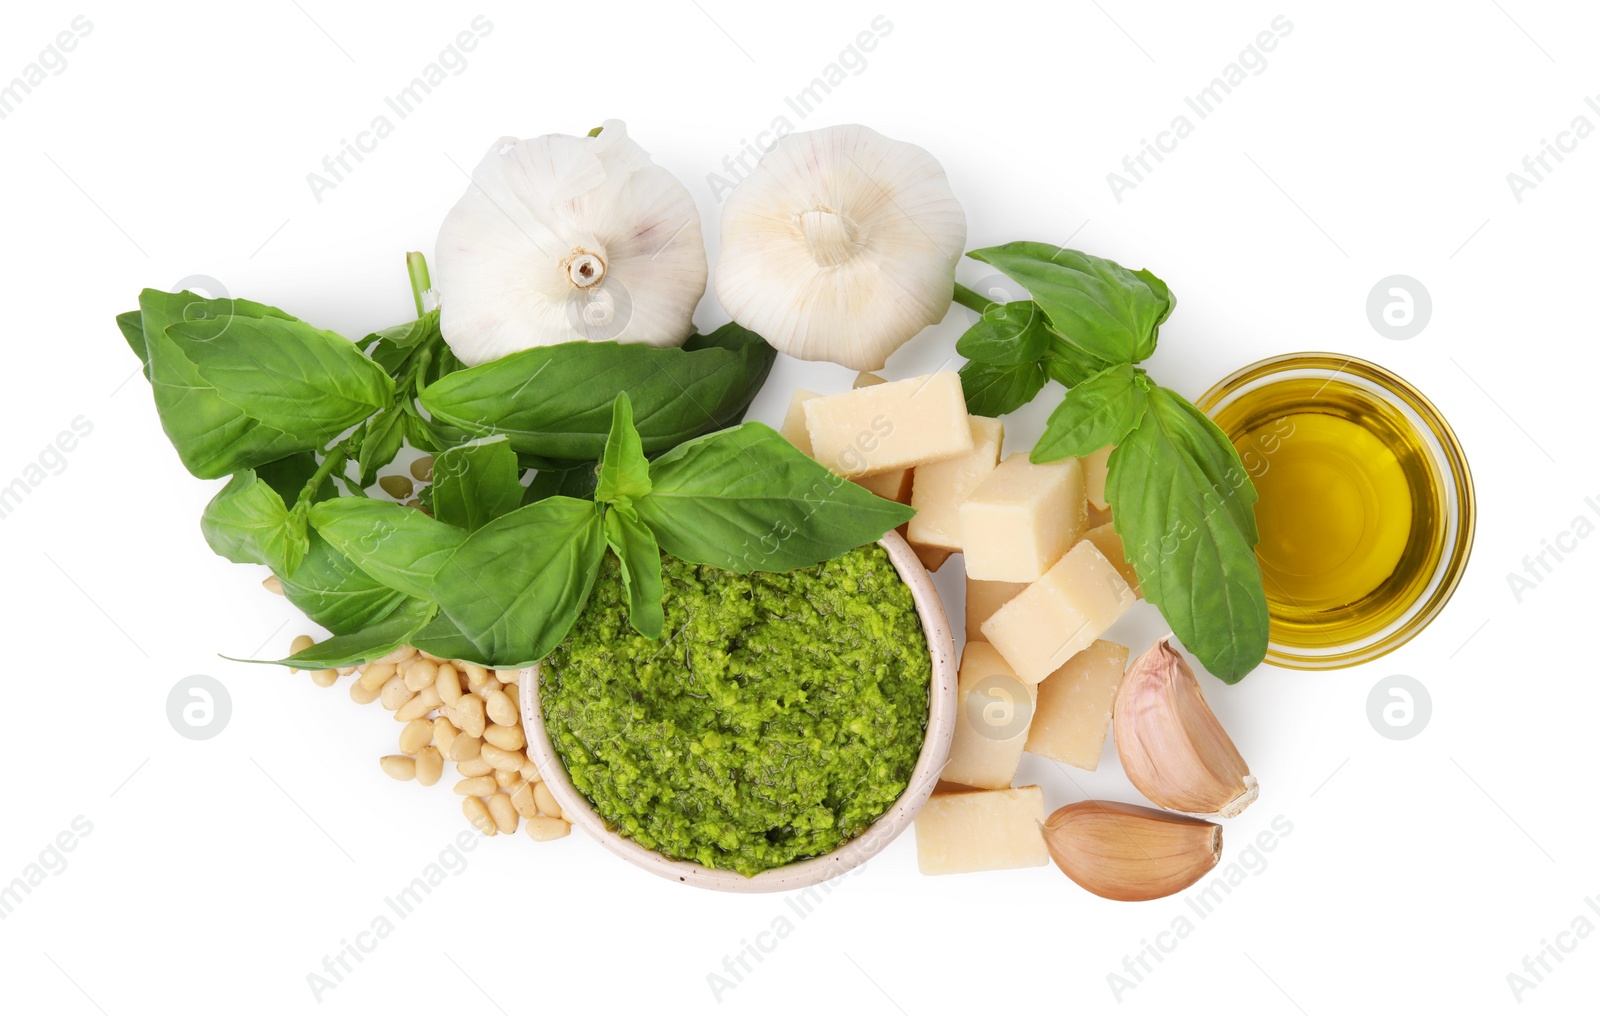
783	729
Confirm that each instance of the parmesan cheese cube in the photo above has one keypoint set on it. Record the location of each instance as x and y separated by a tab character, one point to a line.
982	830
895	485
1107	542
941	487
1058	616
1022	518
994	709
1094	476
794	421
866	379
890	426
983	599
1074	706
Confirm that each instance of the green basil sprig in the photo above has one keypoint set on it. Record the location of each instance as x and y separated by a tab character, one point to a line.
1181	499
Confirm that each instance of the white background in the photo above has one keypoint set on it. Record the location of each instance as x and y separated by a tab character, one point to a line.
1377	140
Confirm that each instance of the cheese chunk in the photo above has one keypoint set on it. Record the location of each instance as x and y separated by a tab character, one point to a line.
895	485
1094	476
1058	616
1074	707
1107	542
866	379
983	599
932	558
890	426
1022	518
941	487
994	709
982	830
794	421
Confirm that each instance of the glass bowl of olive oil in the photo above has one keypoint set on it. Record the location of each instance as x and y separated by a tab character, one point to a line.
1366	509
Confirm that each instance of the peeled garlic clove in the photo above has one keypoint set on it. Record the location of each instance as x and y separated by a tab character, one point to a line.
1172	747
1125	852
560	239
840	245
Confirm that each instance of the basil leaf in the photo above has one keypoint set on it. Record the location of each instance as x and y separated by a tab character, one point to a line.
747	500
580	481
331	591
289	476
213	437
475	483
392	347
1070	365
363	646
1007	335
995	390
1098	412
399	546
1194	557
248	523
285	374
515	587
131	324
380	444
635	546
624	471
1107	310
555	401
443	639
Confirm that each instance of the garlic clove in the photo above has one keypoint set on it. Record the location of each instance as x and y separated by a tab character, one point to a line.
1171	745
561	239
1130	853
840	245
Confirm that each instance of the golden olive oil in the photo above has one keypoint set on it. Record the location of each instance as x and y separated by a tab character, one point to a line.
1351	511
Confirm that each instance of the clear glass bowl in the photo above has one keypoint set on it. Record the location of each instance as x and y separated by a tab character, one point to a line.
1302	639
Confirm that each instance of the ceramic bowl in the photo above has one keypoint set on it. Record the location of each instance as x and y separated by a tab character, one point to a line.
935	750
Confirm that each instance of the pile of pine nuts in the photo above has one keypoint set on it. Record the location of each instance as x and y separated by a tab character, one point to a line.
478	727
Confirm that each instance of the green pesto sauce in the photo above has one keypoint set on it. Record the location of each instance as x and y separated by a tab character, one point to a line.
778	715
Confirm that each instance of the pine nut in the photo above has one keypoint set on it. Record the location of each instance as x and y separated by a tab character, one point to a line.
397	487
430	765
505	779
300	644
444	734
397	656
414	735
447	683
544	829
375	675
500	708
415	708
345	671
478	814
395	693
476	786
419	673
509	738
272	584
467	714
401	767
477	679
465	747
490	686
507	675
361	695
522	800
530	772
505	816
474	767
510	761
324	678
546	800
473	674
422	469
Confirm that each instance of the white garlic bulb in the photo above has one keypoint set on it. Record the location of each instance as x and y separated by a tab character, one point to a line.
841	245
563	238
